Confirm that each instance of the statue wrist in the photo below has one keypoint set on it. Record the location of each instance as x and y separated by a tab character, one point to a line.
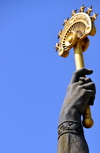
69	114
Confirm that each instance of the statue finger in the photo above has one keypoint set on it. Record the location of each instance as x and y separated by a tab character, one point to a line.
91	94
87	80
80	73
89	86
84	80
91	100
81	80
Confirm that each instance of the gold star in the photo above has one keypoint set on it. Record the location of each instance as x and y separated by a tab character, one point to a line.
59	34
89	10
57	46
94	17
73	12
65	21
82	8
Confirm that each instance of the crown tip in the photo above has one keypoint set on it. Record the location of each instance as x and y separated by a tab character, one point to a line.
82	8
73	12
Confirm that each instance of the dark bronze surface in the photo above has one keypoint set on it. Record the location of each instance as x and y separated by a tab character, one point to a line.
80	93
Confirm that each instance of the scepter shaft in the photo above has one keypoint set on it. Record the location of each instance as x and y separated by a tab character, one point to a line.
79	63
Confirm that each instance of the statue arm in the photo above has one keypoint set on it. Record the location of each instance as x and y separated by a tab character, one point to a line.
80	93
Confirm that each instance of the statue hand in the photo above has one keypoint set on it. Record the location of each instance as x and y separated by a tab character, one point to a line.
81	92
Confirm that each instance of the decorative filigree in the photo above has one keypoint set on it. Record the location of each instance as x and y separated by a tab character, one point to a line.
70	127
81	23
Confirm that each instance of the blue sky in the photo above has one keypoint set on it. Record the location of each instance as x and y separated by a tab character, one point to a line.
34	79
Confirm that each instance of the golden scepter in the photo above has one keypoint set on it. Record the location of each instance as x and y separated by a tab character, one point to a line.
74	35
